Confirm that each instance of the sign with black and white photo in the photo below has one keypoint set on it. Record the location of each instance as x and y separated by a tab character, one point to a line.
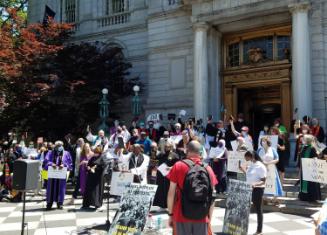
119	181
133	210
314	170
238	205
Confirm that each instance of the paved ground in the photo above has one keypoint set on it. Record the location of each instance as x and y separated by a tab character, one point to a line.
73	220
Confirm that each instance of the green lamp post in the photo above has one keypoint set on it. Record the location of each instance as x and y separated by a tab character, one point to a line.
104	110
136	102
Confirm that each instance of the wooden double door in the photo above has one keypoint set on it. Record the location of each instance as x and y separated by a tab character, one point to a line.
262	94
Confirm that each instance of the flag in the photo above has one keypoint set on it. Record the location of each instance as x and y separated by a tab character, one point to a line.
48	13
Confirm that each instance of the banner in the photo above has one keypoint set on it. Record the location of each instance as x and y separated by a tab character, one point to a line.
314	170
233	161
270	187
238	205
133	210
119	181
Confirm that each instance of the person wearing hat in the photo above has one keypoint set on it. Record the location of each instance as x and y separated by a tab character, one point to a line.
178	130
56	188
165	139
145	142
137	163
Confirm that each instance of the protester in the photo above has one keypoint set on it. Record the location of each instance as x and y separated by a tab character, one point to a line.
321	220
100	139
152	169
309	191
153	133
221	131
85	155
265	130
178	130
93	195
270	158
136	163
280	126
56	188
164	140
218	161
145	142
317	131
169	158
256	174
210	132
244	133
281	150
178	219
182	144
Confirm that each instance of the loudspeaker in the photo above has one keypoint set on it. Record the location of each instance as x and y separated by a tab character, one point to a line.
26	174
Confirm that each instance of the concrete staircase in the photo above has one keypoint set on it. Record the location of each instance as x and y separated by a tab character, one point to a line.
289	204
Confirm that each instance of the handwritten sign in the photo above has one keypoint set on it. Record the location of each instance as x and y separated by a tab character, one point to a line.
119	181
57	173
233	161
155	117
314	170
270	187
272	138
176	138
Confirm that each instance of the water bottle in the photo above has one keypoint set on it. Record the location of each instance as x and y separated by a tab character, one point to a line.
150	222
159	223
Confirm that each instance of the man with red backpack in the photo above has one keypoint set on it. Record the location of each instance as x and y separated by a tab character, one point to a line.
190	200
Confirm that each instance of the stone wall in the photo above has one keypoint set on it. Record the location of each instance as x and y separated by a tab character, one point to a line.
170	68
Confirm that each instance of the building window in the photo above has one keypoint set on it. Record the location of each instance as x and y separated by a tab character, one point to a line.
116	6
283	46
70	11
258	50
234	55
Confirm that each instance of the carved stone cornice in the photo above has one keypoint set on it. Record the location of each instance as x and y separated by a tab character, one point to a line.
299	7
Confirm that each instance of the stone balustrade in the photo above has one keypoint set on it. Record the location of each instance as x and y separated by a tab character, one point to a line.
115	19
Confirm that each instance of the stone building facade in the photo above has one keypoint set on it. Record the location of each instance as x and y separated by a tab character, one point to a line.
265	58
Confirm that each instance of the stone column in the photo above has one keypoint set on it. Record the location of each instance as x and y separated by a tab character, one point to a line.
214	62
200	71
301	69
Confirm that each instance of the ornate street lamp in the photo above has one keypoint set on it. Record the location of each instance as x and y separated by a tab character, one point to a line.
104	110
136	102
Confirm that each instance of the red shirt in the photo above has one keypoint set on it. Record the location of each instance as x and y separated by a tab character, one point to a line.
177	175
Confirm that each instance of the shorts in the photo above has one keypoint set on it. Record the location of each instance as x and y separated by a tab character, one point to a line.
190	229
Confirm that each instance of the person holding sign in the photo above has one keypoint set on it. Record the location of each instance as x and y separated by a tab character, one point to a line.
166	159
256	174
270	158
309	191
56	188
218	162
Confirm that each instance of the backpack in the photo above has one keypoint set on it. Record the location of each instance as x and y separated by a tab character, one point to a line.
197	191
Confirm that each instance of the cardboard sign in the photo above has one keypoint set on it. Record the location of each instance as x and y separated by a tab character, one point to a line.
119	181
133	210
233	161
314	170
270	187
57	173
273	139
238	204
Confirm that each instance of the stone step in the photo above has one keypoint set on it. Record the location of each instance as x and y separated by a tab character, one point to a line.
287	206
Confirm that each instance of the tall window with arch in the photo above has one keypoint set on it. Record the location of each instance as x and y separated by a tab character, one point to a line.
70	11
116	6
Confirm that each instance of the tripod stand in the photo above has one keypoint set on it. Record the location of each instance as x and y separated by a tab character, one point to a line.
23	219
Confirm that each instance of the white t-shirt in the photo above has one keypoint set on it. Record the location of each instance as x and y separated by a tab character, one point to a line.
256	172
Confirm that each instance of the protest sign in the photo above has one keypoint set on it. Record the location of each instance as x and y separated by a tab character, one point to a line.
314	170
176	138
119	181
57	173
234	145
155	117
133	210
273	139
238	204
233	161
270	187
216	152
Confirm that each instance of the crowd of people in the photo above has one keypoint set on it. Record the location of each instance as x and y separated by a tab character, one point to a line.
143	147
